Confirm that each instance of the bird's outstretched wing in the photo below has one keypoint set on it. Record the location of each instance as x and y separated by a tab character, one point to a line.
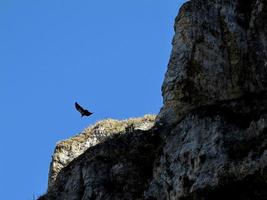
83	111
79	108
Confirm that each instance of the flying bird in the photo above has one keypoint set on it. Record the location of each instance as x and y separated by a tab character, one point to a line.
83	111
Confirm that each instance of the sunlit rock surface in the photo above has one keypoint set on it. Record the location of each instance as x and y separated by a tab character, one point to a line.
219	53
69	149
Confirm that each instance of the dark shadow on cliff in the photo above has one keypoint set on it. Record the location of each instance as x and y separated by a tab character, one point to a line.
252	187
240	111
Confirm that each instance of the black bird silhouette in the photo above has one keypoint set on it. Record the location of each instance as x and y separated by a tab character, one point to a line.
83	111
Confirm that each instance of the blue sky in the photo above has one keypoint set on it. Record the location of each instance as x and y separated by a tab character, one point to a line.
110	56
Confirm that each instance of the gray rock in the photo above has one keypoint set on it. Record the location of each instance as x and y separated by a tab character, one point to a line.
210	137
219	53
68	150
215	152
117	168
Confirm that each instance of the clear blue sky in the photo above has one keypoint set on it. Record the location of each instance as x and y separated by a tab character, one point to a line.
110	56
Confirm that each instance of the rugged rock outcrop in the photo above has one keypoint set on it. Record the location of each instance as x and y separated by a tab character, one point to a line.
210	137
69	149
216	152
219	53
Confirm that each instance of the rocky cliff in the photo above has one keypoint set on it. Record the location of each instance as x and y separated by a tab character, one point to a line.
67	150
210	137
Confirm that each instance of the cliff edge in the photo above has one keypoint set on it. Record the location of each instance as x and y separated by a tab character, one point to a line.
209	140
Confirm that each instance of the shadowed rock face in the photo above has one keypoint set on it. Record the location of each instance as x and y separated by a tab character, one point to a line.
210	137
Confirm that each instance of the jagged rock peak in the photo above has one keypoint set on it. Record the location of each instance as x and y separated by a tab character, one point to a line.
69	149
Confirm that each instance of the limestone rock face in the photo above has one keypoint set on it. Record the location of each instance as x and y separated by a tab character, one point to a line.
219	53
215	152
70	149
210	137
114	167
